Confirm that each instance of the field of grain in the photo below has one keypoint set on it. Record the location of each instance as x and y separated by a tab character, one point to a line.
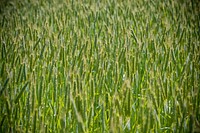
98	66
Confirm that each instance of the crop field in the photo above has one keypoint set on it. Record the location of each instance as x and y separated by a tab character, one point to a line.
98	66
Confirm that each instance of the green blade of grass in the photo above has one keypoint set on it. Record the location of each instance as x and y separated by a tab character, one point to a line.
4	86
21	92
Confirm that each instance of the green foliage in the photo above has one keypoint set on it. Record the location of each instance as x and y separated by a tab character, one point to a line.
99	66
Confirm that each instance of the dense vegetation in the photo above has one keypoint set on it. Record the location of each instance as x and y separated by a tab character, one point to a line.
100	66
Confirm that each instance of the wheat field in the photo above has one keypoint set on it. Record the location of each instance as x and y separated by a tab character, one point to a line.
92	66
